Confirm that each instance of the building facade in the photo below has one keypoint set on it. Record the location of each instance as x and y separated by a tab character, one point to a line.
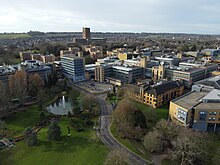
86	33
73	67
5	72
158	72
34	66
118	75
198	109
157	95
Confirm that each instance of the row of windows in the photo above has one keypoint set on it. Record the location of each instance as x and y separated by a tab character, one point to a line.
210	113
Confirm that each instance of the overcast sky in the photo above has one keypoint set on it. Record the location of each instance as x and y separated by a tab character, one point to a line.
188	16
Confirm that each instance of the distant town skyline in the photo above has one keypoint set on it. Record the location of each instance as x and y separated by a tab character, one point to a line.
157	16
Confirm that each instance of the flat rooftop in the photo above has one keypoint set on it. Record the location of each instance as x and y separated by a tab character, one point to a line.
190	99
183	69
194	99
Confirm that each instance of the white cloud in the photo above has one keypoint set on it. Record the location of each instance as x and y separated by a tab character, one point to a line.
197	16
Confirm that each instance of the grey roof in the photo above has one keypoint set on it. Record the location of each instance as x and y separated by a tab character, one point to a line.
212	82
162	88
198	99
190	99
213	95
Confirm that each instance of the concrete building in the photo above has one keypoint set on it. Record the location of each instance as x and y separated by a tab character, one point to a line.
158	94
58	69
126	56
118	75
25	55
172	61
96	52
5	72
211	82
211	52
48	58
107	61
73	67
90	71
190	74
87	40
86	33
158	72
36	57
199	109
72	50
35	66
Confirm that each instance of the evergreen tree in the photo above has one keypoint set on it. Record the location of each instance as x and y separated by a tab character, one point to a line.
30	137
54	132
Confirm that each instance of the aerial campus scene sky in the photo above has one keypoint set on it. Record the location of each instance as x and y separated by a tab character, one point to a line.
185	16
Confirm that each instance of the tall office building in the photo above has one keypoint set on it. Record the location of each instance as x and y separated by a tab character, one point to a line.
86	33
73	67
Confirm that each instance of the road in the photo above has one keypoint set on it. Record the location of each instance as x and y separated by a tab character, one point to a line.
106	136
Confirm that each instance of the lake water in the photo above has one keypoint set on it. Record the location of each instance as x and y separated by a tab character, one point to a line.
61	106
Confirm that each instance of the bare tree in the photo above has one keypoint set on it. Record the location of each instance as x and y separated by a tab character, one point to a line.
131	123
116	157
4	97
35	84
153	142
18	85
216	158
87	101
188	147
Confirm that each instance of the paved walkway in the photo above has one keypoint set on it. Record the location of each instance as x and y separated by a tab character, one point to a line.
105	134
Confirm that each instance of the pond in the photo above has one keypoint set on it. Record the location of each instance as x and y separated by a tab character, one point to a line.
62	106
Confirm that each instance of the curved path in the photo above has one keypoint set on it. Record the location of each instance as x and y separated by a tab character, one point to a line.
105	134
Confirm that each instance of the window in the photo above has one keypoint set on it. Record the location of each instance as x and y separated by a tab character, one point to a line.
211	118
212	113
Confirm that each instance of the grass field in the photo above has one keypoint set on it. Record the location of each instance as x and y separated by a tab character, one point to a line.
78	149
14	35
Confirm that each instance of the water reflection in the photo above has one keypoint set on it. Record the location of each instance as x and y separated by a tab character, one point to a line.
61	106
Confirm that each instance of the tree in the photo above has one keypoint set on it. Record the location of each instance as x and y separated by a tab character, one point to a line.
54	132
131	123
4	96
30	137
3	130
42	116
139	119
18	85
168	131
188	147
216	158
87	101
35	84
117	157
152	141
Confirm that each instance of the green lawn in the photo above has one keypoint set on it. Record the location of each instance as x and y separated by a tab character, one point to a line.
14	36
18	122
78	149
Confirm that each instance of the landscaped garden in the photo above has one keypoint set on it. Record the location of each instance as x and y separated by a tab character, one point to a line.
81	147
